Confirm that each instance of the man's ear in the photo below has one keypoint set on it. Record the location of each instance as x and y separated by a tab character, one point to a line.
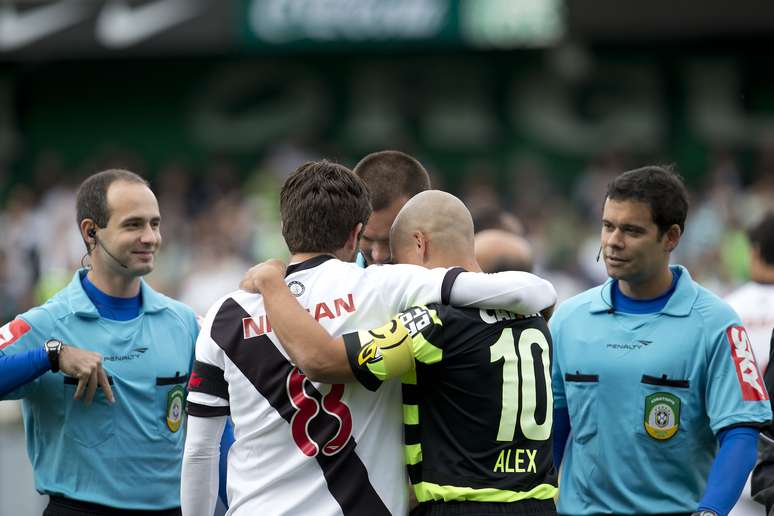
420	243
358	232
88	233
353	239
672	238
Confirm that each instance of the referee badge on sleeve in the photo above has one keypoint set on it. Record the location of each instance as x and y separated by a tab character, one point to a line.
662	415
175	399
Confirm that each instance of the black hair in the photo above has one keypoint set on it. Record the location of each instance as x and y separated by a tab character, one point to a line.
761	235
660	188
91	199
390	175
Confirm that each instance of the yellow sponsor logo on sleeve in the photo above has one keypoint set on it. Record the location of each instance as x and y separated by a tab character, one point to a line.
368	353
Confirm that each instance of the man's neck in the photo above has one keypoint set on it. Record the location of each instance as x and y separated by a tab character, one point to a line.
114	285
470	265
466	262
302	257
648	289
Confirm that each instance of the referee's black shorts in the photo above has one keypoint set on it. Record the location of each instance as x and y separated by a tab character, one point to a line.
522	507
60	506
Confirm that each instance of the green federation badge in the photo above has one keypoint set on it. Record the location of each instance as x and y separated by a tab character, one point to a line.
662	415
175	401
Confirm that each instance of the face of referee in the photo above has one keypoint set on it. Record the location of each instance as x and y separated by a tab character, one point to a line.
132	235
635	252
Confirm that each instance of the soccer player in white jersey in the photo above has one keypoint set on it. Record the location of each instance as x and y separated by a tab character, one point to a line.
303	447
754	302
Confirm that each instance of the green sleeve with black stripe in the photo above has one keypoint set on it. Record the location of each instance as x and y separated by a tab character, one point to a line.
392	349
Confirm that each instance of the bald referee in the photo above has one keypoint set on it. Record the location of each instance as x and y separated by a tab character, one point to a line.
476	383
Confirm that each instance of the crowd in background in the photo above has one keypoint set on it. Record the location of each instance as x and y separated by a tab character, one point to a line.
219	220
220	217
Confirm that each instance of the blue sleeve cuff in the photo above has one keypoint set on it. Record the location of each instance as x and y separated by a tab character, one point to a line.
733	464
20	369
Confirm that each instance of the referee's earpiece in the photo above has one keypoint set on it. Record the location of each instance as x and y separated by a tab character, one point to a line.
599	253
92	232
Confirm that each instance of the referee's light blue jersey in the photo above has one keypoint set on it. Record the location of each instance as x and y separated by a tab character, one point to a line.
126	455
360	260
647	395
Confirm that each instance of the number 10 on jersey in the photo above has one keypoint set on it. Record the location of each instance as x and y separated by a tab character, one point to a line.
518	358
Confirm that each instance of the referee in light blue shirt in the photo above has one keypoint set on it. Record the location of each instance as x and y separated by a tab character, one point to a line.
658	400
102	367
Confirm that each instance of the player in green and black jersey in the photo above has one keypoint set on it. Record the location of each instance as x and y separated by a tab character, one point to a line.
477	402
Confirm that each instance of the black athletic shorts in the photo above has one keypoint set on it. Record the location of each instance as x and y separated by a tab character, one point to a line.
522	507
60	506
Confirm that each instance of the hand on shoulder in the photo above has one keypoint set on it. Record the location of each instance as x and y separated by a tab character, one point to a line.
260	275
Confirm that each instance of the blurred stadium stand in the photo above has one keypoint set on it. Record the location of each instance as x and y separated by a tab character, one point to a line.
532	105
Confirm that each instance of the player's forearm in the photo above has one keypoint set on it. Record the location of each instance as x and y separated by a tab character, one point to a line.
320	356
519	292
199	479
20	369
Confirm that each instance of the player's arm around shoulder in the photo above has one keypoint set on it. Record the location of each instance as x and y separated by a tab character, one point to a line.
319	355
402	286
391	350
516	291
358	356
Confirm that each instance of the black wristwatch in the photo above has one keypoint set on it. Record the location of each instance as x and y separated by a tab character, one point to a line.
53	349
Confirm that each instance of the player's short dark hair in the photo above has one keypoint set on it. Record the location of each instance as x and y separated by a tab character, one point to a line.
660	188
390	175
761	235
320	203
91	200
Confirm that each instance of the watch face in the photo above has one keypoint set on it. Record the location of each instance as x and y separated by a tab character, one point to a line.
53	348
707	513
53	344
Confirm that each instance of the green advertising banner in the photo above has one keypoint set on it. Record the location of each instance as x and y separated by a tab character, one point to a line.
482	112
31	30
369	24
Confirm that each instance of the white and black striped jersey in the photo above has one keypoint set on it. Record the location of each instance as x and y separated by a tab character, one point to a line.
303	447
